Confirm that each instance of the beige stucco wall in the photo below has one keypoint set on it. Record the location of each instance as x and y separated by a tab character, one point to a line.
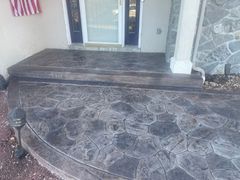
54	24
21	37
156	15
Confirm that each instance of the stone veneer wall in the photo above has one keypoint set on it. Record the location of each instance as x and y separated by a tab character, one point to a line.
172	29
220	37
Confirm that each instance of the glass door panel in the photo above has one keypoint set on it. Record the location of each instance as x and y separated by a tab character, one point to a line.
102	19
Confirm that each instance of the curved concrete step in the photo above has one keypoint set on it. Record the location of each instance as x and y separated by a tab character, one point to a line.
97	132
49	156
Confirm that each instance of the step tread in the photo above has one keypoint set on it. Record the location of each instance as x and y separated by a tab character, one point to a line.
140	74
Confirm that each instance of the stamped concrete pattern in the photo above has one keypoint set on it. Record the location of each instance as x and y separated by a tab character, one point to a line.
72	60
219	44
139	133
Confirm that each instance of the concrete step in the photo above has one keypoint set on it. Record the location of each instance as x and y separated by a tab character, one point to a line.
104	68
140	80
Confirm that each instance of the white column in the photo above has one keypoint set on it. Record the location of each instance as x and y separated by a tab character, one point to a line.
187	27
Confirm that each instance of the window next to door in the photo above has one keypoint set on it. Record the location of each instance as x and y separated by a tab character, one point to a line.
74	21
132	10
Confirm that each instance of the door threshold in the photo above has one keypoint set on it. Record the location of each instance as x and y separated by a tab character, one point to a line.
104	47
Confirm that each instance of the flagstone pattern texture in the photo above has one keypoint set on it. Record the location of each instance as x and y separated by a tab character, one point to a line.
172	29
138	133
220	37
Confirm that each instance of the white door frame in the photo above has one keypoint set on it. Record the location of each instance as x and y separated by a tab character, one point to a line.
83	21
140	24
84	27
66	21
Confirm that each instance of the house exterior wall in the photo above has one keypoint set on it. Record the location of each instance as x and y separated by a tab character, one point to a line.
21	37
54	24
156	15
220	37
219	44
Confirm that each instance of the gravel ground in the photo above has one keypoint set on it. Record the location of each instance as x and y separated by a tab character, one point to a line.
10	167
230	83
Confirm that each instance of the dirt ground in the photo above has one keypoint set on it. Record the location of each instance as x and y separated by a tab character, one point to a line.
10	167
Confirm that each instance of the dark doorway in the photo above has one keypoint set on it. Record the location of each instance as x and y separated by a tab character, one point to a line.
75	20
132	22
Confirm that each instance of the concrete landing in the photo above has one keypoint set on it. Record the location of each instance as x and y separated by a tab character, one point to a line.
99	132
141	70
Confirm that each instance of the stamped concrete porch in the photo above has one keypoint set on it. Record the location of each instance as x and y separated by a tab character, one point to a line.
99	115
102	132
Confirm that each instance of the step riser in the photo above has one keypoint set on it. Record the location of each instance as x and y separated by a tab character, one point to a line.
115	69
164	82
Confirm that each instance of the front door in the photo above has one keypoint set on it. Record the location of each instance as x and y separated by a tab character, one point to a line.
103	21
74	21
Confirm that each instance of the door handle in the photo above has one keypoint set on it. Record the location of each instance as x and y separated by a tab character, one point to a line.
115	12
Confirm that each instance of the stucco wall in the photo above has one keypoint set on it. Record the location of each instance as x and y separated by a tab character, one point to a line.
220	37
54	24
155	15
21	37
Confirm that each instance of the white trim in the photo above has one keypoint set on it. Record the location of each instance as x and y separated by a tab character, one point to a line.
83	21
66	21
181	67
102	43
187	28
120	21
123	22
140	24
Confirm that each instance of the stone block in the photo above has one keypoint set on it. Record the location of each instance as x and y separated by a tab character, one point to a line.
234	59
234	46
215	13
